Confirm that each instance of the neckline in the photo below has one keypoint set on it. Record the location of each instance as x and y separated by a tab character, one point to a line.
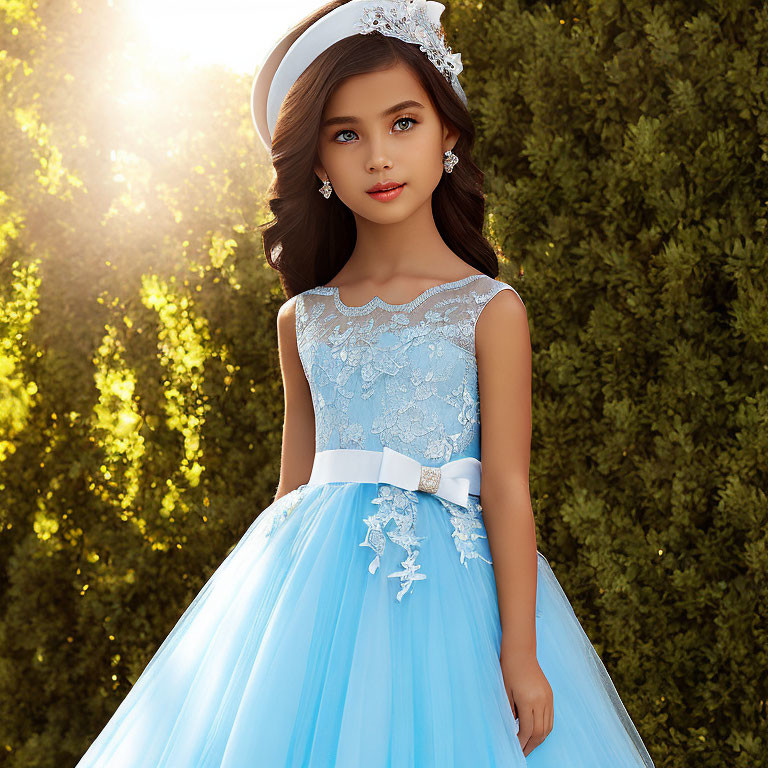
405	307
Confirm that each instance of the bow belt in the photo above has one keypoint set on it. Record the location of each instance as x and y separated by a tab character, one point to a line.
453	481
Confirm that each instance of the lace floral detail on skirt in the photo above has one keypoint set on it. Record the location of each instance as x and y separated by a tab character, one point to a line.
466	523
400	505
284	506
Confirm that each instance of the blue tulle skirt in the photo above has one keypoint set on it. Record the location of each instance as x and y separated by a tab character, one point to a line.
295	654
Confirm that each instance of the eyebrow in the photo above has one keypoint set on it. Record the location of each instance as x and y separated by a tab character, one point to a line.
389	111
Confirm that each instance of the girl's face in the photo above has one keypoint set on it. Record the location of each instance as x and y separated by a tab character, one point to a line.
382	127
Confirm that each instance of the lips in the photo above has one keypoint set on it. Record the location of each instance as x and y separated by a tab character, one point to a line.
384	185
388	193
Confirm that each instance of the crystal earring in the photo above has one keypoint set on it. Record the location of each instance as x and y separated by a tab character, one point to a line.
326	189
449	161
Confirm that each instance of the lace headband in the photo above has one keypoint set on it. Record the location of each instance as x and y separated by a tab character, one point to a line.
413	21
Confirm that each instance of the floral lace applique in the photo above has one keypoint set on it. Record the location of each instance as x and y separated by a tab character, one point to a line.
284	506
418	385
466	524
400	505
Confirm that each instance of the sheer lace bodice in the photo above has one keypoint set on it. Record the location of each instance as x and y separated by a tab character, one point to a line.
402	376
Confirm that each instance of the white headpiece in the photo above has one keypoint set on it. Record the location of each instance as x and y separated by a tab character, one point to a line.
413	21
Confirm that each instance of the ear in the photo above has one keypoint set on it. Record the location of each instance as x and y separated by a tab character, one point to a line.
320	172
450	137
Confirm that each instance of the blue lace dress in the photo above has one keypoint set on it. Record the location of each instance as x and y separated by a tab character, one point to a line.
356	624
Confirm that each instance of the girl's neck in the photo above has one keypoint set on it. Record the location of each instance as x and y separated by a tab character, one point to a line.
410	247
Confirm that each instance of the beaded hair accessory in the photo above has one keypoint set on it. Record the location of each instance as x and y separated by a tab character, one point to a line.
413	21
407	20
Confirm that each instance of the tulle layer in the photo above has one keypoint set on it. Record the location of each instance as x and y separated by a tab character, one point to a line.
294	654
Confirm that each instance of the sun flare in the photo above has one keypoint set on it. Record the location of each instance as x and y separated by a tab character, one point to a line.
232	33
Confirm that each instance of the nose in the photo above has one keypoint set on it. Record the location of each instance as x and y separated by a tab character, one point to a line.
379	165
379	158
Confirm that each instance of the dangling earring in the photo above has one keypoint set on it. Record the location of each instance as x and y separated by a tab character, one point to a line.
326	189
449	161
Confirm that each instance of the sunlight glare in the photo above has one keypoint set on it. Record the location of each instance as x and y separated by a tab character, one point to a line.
231	33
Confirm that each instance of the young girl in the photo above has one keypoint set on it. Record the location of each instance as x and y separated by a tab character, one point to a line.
375	614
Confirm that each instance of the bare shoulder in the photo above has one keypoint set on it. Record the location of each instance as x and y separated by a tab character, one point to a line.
503	316
286	322
287	311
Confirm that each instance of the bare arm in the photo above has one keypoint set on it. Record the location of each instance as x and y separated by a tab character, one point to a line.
298	447
503	348
502	344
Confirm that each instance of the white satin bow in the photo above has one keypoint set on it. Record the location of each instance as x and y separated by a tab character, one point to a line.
458	478
405	472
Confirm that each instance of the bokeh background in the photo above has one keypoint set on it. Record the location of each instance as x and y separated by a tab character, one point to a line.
626	150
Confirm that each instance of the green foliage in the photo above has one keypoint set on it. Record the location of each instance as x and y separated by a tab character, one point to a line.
140	397
140	394
626	144
17	311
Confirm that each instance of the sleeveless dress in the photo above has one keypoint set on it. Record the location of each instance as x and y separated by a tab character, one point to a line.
356	624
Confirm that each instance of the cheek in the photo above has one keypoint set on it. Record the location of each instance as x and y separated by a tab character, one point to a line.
427	152
344	160
427	161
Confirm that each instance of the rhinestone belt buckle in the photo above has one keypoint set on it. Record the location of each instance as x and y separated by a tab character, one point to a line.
429	480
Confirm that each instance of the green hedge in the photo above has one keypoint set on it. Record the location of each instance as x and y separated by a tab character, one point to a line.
141	406
627	146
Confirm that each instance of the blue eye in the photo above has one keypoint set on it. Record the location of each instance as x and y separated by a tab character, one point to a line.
399	120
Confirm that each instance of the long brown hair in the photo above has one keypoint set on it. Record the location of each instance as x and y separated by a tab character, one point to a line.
310	238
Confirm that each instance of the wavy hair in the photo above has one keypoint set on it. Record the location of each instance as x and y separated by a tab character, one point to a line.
310	238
